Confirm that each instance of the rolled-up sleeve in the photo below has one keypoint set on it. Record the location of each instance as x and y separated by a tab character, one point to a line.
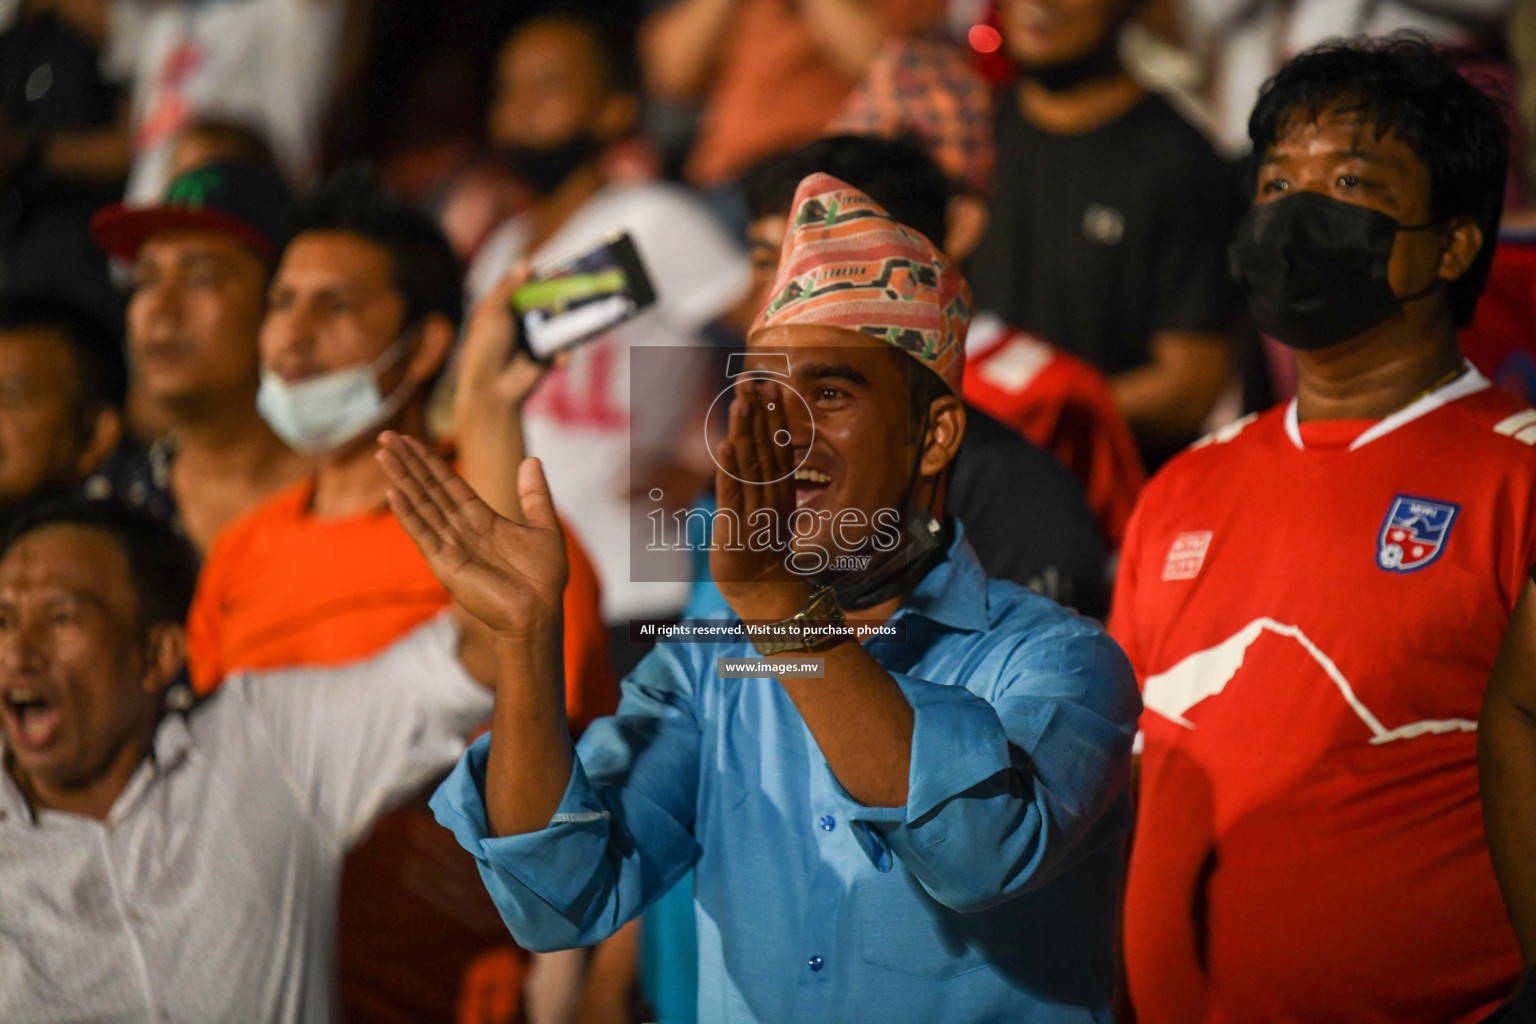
621	835
1007	791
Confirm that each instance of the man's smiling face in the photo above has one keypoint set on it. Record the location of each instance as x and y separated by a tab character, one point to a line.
855	389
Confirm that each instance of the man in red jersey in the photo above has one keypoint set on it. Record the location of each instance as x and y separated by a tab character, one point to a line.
1506	741
1313	598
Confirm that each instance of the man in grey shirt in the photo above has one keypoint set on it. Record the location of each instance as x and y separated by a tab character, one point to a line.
160	865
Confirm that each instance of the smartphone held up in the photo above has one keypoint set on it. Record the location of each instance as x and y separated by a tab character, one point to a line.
578	299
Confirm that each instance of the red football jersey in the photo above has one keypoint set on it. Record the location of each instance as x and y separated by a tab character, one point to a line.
1312	611
1061	404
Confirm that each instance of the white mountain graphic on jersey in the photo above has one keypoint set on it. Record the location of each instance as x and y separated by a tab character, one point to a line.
1206	673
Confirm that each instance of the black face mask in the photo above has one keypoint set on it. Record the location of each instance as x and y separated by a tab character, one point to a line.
1314	269
1103	61
924	544
545	168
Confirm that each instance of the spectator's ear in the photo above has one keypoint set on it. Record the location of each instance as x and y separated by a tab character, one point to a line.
1461	248
165	655
946	426
102	431
433	341
965	222
616	117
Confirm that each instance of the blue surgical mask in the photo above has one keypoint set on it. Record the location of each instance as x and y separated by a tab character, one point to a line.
320	414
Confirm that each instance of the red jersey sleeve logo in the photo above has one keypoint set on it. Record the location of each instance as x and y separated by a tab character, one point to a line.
1186	555
1414	533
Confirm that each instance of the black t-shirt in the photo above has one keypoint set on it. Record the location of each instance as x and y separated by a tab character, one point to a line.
1102	240
1025	516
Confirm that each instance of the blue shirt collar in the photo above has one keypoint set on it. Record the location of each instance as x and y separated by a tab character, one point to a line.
954	593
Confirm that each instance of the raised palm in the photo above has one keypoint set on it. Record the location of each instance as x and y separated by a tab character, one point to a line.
754	484
507	573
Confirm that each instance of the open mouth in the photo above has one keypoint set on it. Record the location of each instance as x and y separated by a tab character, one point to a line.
33	720
809	483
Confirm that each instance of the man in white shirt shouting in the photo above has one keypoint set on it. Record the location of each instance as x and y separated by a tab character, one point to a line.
170	865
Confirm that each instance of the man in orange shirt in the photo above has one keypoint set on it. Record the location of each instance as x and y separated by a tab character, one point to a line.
364	308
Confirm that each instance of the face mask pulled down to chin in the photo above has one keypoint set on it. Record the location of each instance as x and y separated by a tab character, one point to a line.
1314	269
322	413
924	544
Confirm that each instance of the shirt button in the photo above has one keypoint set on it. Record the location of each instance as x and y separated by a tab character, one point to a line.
827	823
815	964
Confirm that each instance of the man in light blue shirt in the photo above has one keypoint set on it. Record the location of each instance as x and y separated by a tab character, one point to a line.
931	830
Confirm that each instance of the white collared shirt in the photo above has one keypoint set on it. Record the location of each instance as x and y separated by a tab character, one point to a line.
209	892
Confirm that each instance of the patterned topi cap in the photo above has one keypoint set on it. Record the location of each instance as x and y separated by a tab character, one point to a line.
847	263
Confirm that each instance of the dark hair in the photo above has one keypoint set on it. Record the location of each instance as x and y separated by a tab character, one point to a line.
1402	87
423	267
612	37
924	387
95	346
896	173
241	143
161	563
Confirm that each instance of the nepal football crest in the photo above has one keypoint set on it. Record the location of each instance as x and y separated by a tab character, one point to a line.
1414	533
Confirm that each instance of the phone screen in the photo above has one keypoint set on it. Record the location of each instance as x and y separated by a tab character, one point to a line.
574	301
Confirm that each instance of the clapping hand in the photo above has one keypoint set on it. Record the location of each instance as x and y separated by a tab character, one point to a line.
507	571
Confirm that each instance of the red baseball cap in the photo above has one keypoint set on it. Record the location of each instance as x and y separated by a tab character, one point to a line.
244	200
